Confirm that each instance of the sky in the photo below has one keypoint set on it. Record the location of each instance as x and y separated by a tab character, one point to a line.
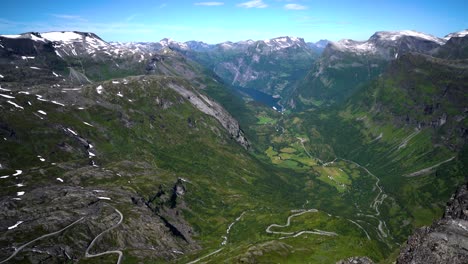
218	21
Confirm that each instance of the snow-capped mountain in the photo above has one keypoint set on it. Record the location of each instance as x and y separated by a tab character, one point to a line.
265	46
199	45
270	65
389	44
285	42
318	46
321	43
68	44
347	64
458	34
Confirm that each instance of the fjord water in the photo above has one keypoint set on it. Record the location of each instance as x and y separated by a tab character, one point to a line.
261	97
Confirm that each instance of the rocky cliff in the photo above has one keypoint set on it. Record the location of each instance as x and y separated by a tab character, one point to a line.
446	240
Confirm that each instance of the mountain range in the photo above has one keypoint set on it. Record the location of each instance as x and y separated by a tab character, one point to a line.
261	151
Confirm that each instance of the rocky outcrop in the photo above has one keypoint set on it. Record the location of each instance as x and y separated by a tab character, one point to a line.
445	241
168	205
356	260
44	211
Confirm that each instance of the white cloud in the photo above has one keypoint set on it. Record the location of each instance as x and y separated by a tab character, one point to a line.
253	4
209	4
69	17
295	7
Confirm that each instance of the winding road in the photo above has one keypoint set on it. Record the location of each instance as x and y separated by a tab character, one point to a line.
223	243
378	200
293	234
39	238
118	252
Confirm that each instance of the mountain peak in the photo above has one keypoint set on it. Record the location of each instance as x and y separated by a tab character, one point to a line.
396	35
458	34
57	36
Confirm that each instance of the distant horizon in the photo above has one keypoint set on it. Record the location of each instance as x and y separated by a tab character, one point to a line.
199	40
219	21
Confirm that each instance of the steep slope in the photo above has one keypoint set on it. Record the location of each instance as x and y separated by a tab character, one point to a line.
347	64
409	128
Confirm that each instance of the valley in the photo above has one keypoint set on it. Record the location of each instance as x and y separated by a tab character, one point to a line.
163	151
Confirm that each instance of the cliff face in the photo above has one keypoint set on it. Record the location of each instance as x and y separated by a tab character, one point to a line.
446	241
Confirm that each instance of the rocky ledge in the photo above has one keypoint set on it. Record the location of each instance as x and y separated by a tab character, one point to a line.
446	240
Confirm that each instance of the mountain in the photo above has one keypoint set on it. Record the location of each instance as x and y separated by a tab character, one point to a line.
318	46
199	45
271	66
107	158
458	34
456	47
82	57
347	64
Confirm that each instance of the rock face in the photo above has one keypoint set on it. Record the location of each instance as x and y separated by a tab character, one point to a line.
446	241
356	260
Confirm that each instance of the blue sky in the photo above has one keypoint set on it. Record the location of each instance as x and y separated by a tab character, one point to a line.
215	21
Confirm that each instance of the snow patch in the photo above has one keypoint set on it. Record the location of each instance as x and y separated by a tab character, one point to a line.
73	132
58	54
57	103
41	112
15	225
59	179
35	68
99	89
119	94
103	198
88	124
20	193
64	36
14	104
7	96
11	36
459	34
